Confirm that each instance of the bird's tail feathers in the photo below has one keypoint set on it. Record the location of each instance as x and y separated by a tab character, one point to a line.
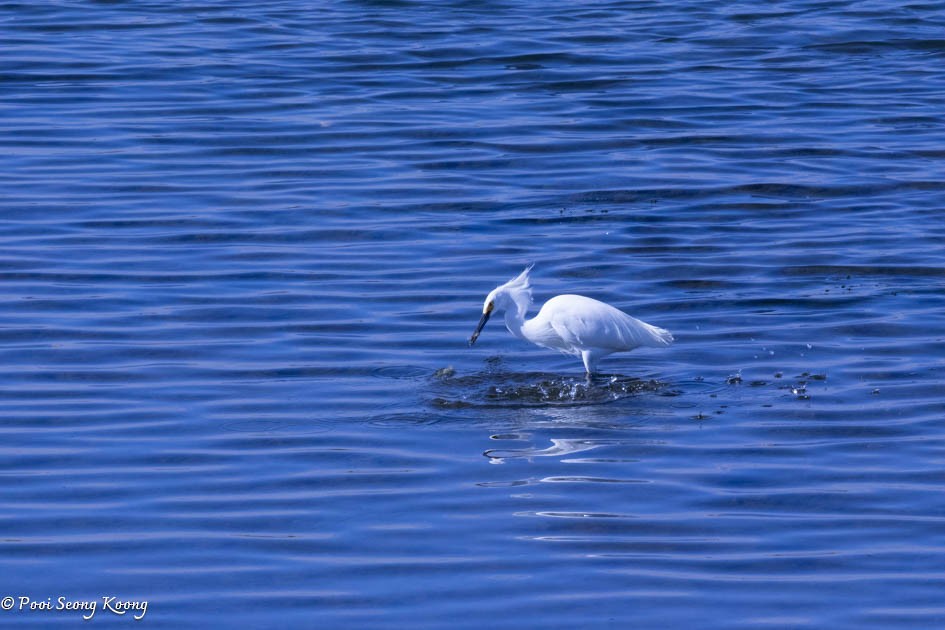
659	337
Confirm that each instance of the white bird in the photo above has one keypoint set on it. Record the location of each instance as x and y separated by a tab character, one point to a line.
572	324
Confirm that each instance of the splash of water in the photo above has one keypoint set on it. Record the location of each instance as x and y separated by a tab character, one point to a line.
534	390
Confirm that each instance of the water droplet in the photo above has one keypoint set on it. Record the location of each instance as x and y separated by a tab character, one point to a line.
445	372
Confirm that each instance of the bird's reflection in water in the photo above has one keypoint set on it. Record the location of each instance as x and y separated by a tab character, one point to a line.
559	448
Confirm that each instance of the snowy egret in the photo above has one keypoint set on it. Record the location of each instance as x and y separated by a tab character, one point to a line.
572	324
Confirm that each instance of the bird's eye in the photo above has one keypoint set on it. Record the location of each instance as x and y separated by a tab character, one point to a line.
490	306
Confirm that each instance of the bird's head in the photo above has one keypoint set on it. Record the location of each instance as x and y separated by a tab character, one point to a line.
516	293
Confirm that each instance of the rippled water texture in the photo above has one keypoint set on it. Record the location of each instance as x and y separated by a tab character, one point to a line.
243	246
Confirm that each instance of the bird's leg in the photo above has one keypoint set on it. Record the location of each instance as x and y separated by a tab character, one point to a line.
589	364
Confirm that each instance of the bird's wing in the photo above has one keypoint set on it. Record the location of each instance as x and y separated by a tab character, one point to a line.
585	322
566	340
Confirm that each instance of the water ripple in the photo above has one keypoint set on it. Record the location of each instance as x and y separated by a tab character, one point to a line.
244	245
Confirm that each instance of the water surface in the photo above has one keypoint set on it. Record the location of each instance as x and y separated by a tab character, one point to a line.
243	247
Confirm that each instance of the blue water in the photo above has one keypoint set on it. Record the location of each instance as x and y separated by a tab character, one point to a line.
242	247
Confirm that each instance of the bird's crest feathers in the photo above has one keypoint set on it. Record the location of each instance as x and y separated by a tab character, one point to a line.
520	290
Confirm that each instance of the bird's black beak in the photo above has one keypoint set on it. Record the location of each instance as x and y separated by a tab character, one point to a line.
482	322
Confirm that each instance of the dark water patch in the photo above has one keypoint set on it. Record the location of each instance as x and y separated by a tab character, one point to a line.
879	46
401	372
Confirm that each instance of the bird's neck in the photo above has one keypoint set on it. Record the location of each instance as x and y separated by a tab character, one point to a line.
515	321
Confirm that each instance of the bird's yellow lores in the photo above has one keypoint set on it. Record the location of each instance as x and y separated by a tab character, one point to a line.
572	324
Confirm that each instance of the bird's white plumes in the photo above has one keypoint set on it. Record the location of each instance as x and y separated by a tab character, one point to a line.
520	290
516	292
